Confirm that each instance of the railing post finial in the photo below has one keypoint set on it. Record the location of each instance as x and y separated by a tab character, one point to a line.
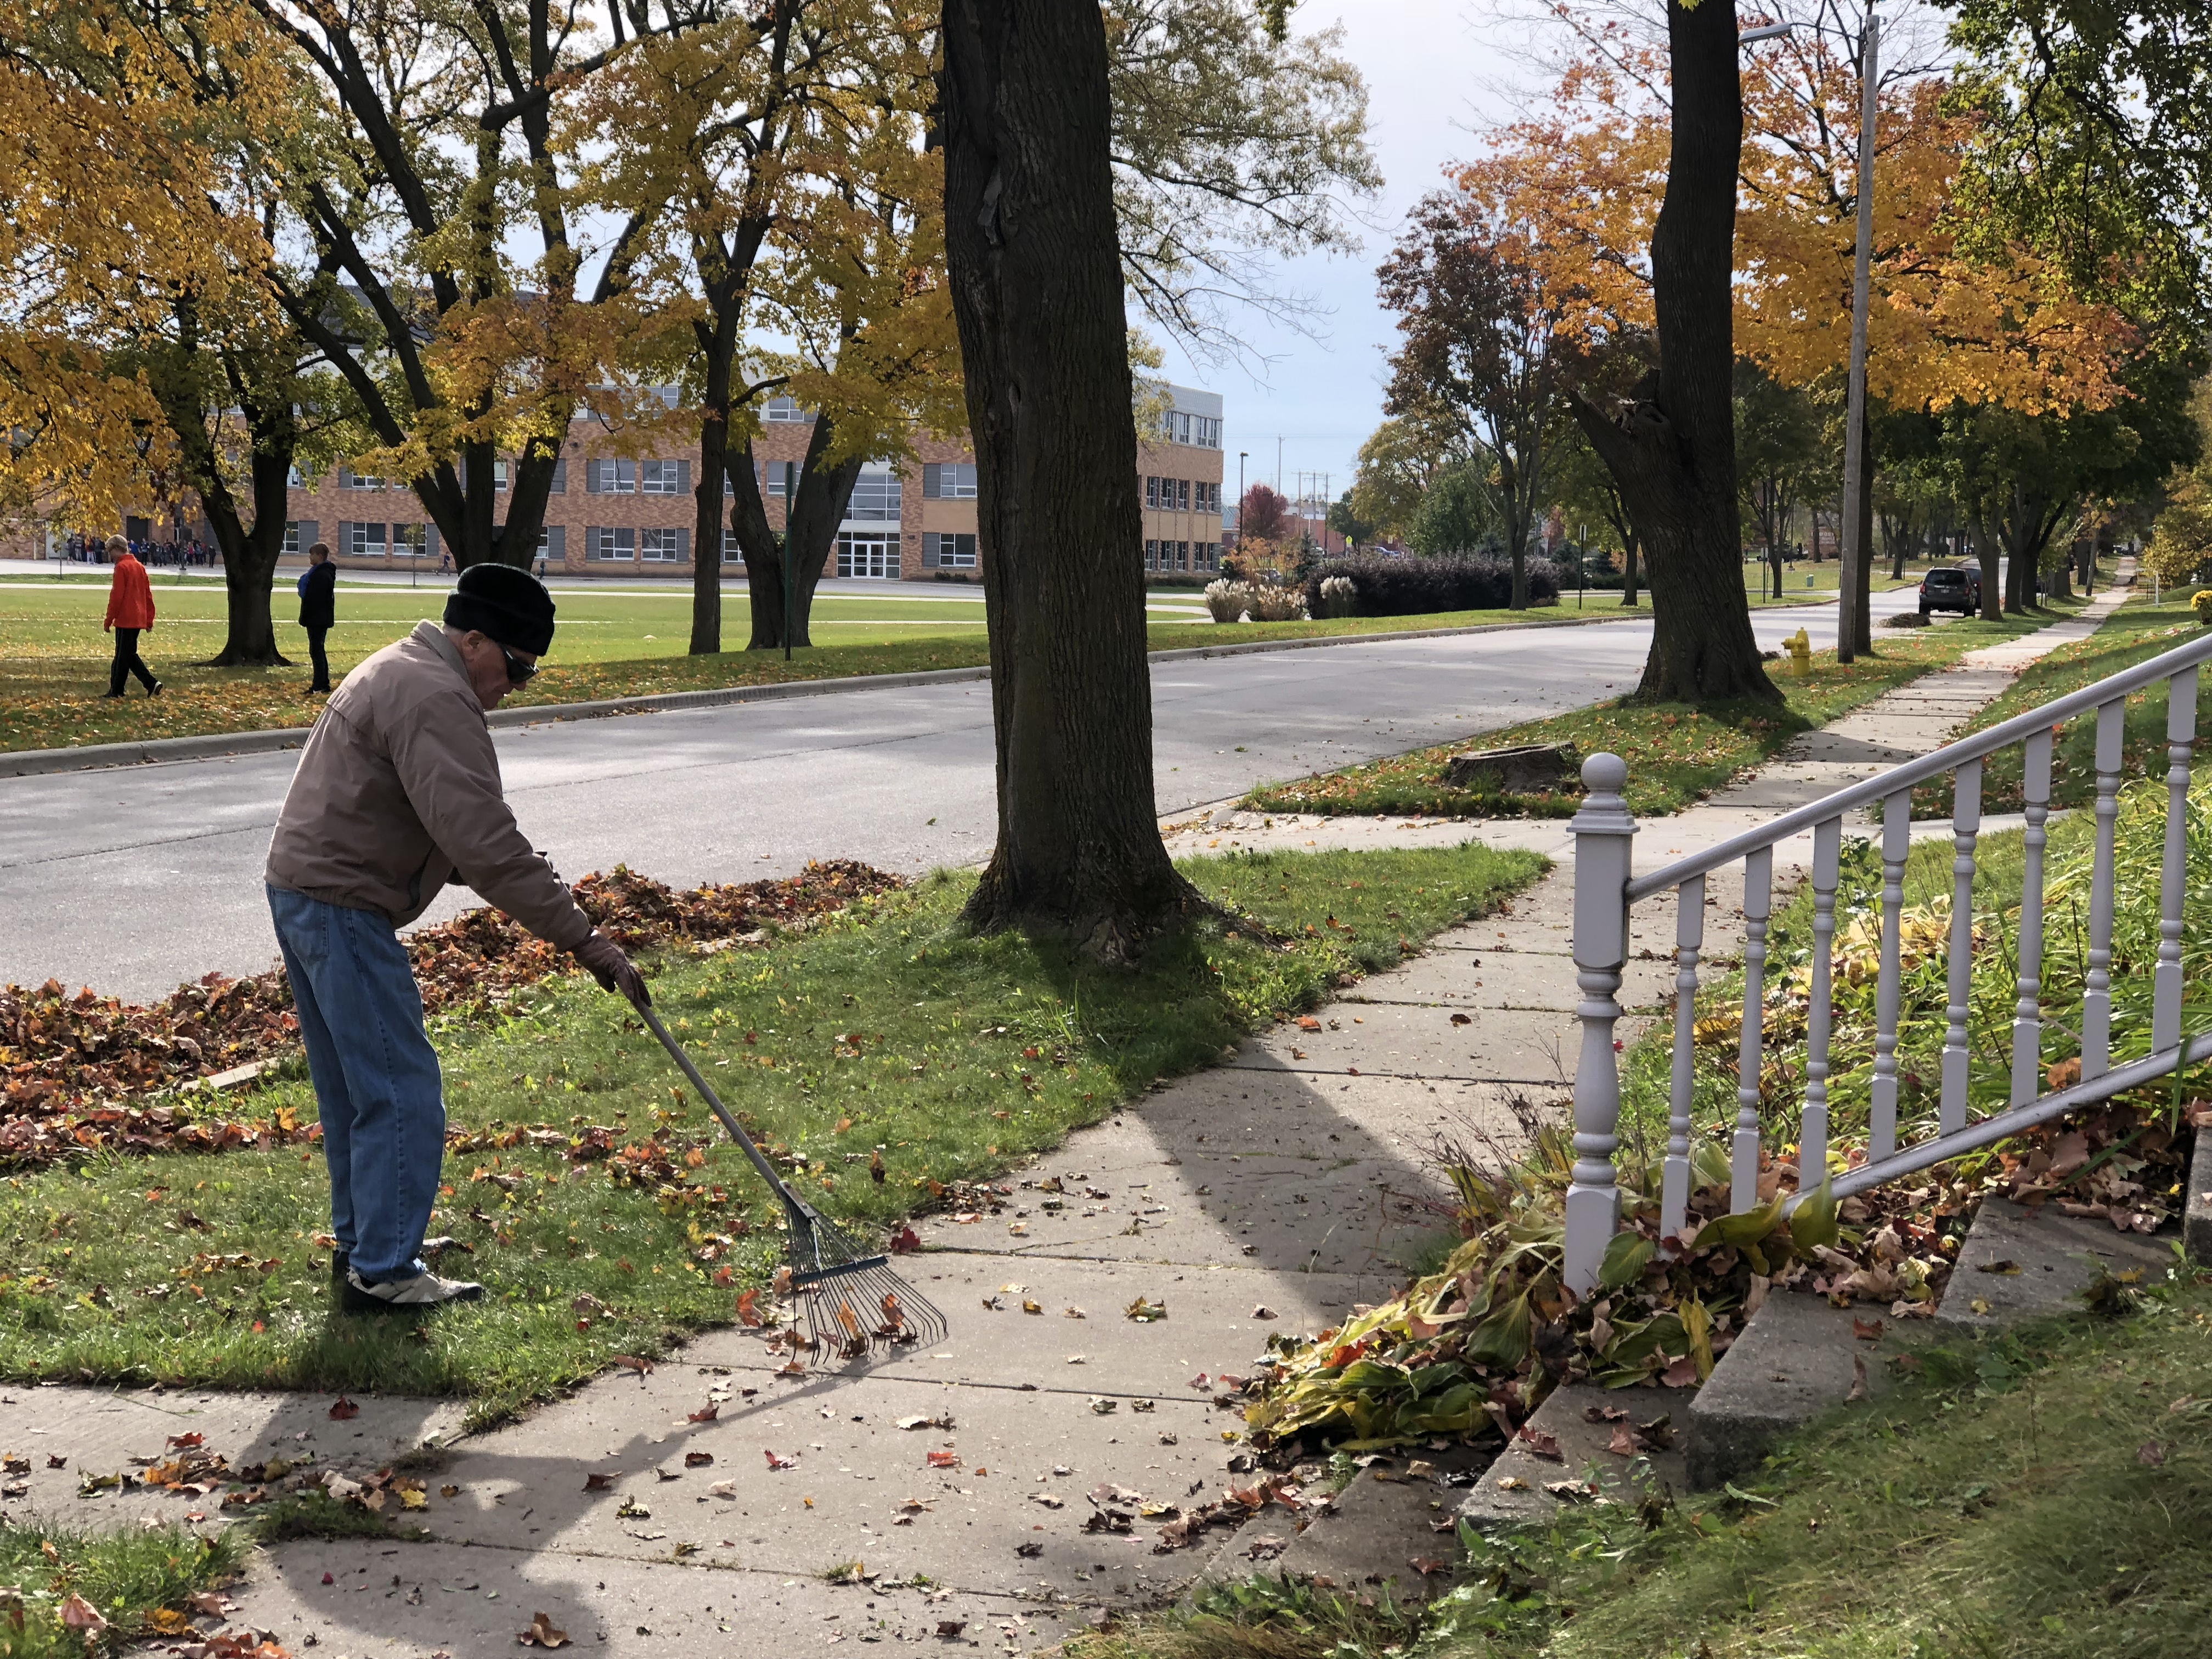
1605	840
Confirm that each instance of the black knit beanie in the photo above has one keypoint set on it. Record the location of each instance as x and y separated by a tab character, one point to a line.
503	603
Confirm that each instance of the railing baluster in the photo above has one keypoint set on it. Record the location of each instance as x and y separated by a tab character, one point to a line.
1689	938
1965	830
2097	993
2027	1012
2173	883
1896	847
1813	1132
1605	845
1758	902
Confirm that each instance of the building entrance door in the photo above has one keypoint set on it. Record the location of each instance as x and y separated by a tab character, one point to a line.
875	557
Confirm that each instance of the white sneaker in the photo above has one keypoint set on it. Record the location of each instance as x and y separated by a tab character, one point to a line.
424	1289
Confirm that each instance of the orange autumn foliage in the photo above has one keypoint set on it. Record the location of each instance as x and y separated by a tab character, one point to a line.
1584	185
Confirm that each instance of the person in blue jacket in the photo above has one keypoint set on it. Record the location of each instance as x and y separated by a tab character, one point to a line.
319	610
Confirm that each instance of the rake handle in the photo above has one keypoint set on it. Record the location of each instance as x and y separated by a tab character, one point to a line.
714	1103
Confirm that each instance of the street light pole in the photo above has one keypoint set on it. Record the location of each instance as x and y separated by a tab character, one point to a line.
1848	642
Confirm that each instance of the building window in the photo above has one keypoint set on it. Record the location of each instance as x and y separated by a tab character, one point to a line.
868	556
783	479
295	478
365	541
662	546
350	479
500	475
604	543
1152	492
947	552
1209	556
948	481
408	541
783	410
662	477
1151	554
1182	555
291	535
875	497
612	478
1182	495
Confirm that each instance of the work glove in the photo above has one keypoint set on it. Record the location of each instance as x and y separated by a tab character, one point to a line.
613	969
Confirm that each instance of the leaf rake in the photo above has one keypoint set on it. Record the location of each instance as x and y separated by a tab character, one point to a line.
854	1303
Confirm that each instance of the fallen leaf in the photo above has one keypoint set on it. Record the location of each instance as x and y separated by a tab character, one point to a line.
1263	1311
1462	1019
944	1460
343	1408
1428	1566
632	1363
1998	1267
598	1483
79	1615
697	1459
905	1241
541	1634
749	1313
2151	1453
1858	1380
949	1628
1146	1313
706	1413
1540	1444
776	1460
1868	1330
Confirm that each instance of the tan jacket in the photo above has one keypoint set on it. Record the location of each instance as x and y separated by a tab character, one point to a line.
398	793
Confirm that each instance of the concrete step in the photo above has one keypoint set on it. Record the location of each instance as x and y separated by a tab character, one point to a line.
1526	1484
1799	1356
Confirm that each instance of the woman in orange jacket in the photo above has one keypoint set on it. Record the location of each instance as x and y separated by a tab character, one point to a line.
129	613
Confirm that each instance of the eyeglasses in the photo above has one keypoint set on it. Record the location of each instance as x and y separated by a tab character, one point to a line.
518	671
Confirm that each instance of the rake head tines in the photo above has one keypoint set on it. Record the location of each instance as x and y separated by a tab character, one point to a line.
854	1303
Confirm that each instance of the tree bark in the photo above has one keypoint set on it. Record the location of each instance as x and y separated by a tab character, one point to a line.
1861	596
1987	546
1671	448
1037	295
1628	571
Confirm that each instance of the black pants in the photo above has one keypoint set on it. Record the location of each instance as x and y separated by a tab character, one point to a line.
127	663
315	654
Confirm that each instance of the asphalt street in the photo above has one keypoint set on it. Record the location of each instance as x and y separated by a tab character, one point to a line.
132	880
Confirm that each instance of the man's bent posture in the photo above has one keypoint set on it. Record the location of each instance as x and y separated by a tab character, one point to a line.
398	793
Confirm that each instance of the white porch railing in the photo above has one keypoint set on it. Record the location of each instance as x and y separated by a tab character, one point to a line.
1606	890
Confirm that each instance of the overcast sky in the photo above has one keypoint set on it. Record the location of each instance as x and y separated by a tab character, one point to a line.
1430	70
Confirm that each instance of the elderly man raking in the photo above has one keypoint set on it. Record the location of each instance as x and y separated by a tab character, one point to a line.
398	793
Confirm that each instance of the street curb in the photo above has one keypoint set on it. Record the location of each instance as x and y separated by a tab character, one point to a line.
34	762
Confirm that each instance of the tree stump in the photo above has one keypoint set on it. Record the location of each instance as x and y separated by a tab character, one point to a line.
1525	768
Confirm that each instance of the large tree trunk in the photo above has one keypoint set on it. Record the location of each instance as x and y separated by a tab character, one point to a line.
1628	571
1036	292
1987	546
812	514
1671	449
718	346
249	559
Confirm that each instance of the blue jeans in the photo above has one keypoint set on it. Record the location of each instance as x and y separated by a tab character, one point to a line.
381	1100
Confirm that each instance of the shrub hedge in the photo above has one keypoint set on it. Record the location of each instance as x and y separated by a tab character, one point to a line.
1415	585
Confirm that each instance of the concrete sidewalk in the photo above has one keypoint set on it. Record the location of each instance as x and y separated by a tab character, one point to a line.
1275	1193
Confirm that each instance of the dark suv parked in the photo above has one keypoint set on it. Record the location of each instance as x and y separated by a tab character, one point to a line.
1951	589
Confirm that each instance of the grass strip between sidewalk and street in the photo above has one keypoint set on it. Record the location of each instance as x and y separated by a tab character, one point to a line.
1677	753
2032	1494
601	1203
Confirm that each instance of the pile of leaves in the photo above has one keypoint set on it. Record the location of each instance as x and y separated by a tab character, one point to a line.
77	1072
1476	1346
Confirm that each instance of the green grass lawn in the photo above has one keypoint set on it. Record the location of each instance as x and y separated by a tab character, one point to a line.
54	657
887	1030
2043	1494
1676	753
139	1581
2137	632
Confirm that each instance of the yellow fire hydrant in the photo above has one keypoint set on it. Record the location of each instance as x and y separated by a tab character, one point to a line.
1800	655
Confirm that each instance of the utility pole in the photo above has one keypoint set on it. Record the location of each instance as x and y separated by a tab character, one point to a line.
1279	465
1242	456
1849	643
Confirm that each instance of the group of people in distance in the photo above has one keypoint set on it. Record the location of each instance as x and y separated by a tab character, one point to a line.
130	612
